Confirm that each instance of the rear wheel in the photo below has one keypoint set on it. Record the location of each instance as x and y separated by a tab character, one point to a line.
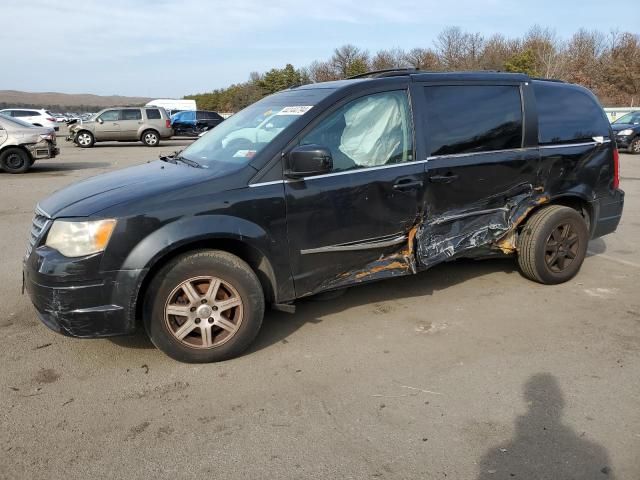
553	244
204	306
15	160
85	139
634	146
150	138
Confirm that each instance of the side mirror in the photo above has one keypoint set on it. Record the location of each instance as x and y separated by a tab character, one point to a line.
100	121
308	160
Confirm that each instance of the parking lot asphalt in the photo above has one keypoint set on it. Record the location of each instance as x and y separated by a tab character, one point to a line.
466	371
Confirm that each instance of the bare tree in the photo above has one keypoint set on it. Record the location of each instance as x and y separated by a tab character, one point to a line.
548	50
423	59
349	60
393	58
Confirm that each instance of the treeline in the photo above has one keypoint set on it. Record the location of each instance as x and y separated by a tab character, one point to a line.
608	64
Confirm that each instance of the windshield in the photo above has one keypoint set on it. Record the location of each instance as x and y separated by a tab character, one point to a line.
632	117
16	122
234	142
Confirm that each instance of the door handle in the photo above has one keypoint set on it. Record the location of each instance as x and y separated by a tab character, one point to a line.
407	184
448	178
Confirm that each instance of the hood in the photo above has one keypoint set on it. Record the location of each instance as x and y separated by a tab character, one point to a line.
623	126
103	191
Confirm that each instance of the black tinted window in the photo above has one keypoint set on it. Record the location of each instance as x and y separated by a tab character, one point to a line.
153	114
566	114
131	115
473	118
22	113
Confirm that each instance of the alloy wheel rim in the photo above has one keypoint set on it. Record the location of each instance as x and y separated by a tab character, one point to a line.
561	248
203	312
150	138
84	139
636	146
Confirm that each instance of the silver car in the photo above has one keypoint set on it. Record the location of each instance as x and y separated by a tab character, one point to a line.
21	144
125	124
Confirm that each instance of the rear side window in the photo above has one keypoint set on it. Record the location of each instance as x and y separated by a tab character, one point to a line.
473	118
131	115
567	114
153	114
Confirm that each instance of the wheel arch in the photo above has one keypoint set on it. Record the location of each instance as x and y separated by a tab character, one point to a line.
148	129
20	147
254	257
577	201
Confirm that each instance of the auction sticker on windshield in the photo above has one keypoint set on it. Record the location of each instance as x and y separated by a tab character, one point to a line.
295	110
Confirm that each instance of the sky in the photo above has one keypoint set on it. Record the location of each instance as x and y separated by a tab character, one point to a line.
163	48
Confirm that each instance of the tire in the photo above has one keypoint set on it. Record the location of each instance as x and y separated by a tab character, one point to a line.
85	139
634	146
150	138
15	160
553	245
226	331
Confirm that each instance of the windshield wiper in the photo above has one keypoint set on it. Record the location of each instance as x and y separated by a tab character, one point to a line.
175	158
191	163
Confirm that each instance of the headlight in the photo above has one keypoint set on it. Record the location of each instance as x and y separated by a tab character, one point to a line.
77	239
628	131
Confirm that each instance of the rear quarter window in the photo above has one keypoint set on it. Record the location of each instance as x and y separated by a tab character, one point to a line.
153	114
567	114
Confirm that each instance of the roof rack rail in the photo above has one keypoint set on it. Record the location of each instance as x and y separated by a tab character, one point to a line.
387	72
556	80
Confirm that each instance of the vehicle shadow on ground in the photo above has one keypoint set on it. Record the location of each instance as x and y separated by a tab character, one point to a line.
596	247
174	142
278	326
65	167
543	446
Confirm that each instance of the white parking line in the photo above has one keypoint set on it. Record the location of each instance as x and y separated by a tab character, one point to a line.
614	259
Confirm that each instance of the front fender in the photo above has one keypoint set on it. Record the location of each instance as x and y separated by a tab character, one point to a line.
174	235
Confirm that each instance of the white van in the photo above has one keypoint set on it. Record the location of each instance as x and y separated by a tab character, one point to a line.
172	105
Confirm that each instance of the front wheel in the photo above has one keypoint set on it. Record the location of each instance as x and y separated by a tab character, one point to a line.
151	138
553	245
15	160
634	146
85	139
204	306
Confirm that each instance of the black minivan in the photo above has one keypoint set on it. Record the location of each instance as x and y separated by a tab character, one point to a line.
320	187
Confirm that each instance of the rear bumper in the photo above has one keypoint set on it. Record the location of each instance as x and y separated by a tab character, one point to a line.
607	212
87	304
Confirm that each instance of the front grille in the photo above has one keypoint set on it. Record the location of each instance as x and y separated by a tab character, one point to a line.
38	225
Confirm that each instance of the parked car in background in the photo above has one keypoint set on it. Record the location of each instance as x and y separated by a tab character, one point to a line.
193	123
39	118
627	130
125	124
59	117
21	144
366	179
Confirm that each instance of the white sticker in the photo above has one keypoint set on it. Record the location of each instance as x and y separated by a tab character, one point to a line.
296	110
244	153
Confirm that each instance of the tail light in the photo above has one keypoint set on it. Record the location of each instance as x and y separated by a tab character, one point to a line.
616	169
168	123
51	119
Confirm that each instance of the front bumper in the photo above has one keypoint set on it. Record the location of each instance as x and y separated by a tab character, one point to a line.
72	296
623	141
43	149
